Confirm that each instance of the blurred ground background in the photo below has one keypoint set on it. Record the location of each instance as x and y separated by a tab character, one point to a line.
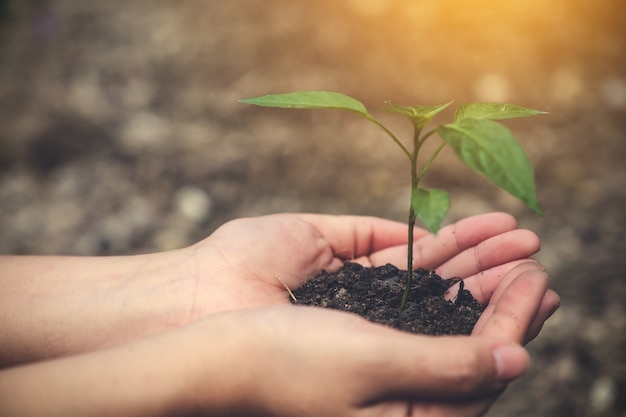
121	133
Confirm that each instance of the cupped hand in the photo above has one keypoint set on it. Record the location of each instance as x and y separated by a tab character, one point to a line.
249	262
308	361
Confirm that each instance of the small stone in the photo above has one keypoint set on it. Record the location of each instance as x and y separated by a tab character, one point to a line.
144	131
602	394
193	203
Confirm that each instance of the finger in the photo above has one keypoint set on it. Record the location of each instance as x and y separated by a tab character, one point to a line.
355	236
431	251
529	266
497	250
549	304
453	367
471	408
464	408
512	310
491	290
483	284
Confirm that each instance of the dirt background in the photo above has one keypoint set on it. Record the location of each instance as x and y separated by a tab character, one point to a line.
121	133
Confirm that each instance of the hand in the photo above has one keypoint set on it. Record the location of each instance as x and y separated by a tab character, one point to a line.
361	369
284	361
304	361
243	263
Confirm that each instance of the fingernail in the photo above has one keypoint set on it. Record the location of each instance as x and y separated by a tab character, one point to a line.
511	362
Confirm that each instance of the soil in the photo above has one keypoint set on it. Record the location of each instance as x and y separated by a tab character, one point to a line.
376	294
122	133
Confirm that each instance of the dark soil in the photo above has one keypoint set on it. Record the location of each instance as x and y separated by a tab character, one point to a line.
376	294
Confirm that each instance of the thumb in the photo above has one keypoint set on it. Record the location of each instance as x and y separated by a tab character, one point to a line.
447	367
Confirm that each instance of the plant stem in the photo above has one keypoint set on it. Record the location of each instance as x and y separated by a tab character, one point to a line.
431	159
409	269
393	137
412	216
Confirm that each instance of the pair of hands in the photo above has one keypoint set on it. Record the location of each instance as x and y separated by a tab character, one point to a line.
245	263
317	362
240	348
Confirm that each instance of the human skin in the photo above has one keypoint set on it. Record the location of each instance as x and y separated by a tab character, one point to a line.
272	361
59	307
54	306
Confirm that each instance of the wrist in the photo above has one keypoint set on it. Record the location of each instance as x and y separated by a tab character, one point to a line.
219	366
175	373
59	306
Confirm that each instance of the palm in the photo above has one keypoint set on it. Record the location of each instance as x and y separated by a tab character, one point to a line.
251	259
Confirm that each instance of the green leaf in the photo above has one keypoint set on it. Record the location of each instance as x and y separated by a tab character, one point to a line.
493	111
321	100
490	148
311	100
419	115
430	206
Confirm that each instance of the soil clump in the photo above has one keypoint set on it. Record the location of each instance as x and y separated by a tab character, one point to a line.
376	294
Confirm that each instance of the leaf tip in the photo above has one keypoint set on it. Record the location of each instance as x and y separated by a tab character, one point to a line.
537	209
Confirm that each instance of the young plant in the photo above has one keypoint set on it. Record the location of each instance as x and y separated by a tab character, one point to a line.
486	146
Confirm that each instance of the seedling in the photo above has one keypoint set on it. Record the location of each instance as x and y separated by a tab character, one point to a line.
486	146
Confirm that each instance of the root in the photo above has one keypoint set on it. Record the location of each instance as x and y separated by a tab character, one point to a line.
293	297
